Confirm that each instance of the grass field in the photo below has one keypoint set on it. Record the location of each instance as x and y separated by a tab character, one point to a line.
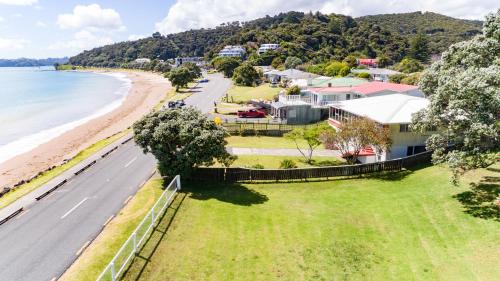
26	188
273	162
412	226
102	250
264	142
241	94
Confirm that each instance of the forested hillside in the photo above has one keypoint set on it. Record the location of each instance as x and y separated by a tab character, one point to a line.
442	31
313	38
24	62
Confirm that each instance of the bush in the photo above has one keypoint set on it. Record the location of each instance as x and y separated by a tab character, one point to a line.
364	75
396	78
257	166
294	90
245	75
411	79
334	68
288	164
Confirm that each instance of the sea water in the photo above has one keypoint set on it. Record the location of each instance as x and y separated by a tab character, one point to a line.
39	104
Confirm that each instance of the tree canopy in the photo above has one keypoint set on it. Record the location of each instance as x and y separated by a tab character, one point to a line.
181	139
226	65
180	77
419	48
464	92
245	75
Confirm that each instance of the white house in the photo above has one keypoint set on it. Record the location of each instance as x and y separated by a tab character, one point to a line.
142	60
197	60
377	74
391	111
267	47
232	51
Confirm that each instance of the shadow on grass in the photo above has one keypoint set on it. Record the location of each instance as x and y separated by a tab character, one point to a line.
230	193
159	234
479	202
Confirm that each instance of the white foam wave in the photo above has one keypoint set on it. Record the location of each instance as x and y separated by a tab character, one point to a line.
27	143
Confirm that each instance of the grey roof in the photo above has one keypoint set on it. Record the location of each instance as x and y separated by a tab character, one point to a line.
376	71
296	74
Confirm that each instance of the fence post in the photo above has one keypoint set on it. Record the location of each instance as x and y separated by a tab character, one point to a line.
113	274
178	182
135	242
153	216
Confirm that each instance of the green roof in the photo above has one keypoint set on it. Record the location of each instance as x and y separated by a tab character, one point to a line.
337	82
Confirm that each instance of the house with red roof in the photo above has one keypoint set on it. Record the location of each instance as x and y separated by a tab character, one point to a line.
368	62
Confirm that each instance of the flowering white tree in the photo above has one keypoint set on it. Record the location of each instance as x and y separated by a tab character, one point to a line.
464	90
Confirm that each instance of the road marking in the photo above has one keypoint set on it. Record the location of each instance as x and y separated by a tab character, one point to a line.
130	162
53	279
74	208
83	248
128	199
23	213
110	218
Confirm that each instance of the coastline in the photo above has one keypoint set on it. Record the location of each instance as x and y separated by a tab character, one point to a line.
147	89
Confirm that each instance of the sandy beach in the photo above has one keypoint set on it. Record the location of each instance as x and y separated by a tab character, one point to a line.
146	91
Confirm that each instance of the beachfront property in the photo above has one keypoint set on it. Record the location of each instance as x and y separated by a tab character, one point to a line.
391	111
232	51
377	74
313	102
142	60
199	61
288	75
267	47
367	62
325	81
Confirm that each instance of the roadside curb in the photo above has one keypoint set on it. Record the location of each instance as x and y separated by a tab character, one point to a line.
16	207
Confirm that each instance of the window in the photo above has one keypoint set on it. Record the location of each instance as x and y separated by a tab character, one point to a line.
415	149
404	128
347	96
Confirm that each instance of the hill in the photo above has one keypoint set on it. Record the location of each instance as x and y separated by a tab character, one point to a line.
442	30
25	62
312	37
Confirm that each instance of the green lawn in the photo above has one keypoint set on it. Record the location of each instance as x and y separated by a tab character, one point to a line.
264	142
413	226
241	94
273	162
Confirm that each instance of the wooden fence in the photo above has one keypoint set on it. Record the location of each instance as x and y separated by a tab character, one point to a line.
264	129
244	174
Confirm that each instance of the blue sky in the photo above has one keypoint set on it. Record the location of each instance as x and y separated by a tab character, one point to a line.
55	28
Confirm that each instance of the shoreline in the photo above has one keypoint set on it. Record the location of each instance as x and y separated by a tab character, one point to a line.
146	90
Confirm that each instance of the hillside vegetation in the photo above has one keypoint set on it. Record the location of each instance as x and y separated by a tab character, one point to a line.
314	38
441	30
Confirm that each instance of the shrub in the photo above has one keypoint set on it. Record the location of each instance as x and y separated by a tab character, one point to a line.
257	166
288	164
364	75
294	90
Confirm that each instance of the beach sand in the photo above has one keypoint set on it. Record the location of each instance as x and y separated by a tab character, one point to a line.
147	90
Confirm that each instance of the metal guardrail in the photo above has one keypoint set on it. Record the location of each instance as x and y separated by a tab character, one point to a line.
132	246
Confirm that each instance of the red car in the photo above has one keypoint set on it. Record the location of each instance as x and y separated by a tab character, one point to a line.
251	113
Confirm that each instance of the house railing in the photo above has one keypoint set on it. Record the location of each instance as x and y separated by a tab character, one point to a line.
245	175
291	99
137	239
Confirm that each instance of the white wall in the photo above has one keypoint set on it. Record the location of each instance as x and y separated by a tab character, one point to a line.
401	141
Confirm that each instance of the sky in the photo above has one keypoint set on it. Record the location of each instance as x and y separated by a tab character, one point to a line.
57	28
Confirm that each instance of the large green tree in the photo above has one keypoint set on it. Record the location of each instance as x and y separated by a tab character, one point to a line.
245	75
464	92
419	48
193	69
292	62
409	65
181	139
180	77
226	65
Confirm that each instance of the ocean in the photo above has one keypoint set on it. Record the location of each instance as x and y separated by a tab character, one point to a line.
39	104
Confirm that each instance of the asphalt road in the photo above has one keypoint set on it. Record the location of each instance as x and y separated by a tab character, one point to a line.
41	242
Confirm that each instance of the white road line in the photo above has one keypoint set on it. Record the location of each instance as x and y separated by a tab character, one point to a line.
110	218
128	199
130	162
74	208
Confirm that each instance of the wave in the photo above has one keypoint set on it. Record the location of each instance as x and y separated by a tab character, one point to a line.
27	143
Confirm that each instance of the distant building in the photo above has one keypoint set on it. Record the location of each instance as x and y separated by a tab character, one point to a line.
232	51
377	74
368	62
391	111
267	47
181	60
157	35
288	75
142	60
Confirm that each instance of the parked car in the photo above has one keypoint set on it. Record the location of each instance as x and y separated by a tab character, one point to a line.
205	80
251	113
176	104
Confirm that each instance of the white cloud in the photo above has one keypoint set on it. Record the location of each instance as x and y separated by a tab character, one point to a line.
41	24
133	37
12	44
2	19
187	14
91	17
82	40
18	2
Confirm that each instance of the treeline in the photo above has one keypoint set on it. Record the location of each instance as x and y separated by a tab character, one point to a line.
25	62
313	38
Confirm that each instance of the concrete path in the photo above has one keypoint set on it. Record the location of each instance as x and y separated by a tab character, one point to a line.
42	241
279	151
